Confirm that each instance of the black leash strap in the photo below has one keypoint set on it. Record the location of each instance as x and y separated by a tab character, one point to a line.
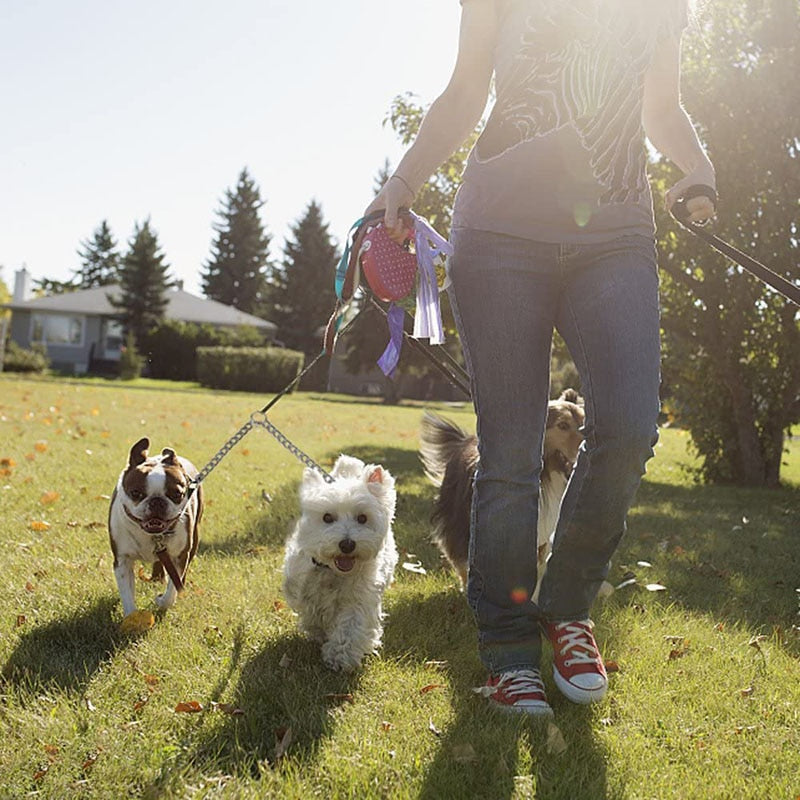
453	371
775	281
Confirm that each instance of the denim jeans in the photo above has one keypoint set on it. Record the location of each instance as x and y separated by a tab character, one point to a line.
508	295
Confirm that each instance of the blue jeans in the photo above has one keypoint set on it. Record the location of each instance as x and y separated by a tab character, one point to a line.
508	295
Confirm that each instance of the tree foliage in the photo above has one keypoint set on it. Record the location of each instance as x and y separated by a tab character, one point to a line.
99	259
301	296
731	361
143	283
235	273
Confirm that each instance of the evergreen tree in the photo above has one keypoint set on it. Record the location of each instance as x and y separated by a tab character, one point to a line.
99	259
301	294
144	283
235	274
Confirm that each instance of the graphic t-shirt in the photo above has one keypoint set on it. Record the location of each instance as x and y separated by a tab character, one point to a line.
562	156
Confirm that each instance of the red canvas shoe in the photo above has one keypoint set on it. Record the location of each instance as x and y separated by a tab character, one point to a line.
578	668
518	690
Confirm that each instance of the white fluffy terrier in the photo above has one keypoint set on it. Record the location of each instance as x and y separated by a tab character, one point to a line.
340	558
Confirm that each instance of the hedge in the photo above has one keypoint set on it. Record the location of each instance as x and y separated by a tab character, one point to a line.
248	369
17	359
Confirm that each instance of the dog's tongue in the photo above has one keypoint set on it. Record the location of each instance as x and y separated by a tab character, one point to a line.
344	563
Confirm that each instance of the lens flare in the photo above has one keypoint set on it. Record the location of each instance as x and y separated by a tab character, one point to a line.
519	595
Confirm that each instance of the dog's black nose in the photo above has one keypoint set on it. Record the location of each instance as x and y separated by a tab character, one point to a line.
158	506
347	545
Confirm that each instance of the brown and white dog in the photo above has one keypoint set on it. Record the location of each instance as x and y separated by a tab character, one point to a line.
149	520
450	457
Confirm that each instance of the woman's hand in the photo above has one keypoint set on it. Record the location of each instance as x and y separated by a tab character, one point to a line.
394	195
701	208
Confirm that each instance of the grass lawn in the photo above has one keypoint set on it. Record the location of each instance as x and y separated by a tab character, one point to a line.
705	701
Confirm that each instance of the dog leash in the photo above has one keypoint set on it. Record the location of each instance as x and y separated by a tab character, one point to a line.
777	282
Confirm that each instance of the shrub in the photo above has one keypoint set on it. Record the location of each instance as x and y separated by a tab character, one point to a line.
248	369
130	362
171	346
18	359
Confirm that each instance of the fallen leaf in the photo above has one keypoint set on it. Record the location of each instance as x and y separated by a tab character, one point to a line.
415	566
612	666
89	704
137	622
748	692
141	702
555	740
48	498
386	726
52	750
433	729
346	697
655	587
151	680
40	446
90	761
142	575
228	708
626	582
431	686
21	620
189	707
643	564
29	587
278	605
39	525
39	774
7	462
283	738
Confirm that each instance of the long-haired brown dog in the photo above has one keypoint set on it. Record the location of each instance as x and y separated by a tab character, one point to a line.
450	457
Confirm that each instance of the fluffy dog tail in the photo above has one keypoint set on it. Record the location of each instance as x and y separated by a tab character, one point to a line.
450	457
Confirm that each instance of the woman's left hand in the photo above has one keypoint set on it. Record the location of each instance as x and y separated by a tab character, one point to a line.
701	208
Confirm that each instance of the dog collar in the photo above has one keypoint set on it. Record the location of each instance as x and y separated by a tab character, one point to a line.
319	563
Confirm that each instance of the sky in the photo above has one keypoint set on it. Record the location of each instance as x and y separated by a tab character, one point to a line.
123	111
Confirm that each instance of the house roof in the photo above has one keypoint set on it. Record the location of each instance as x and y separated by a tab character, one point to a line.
181	306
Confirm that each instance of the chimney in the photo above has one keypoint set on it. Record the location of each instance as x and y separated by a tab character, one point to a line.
22	285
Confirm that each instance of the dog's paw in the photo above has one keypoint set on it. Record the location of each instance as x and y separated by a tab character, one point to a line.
340	659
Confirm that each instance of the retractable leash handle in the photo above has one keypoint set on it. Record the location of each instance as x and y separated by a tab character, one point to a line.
777	282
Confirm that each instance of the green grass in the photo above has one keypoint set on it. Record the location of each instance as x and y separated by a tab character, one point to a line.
705	704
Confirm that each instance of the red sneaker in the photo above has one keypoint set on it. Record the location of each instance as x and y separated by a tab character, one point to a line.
578	668
518	690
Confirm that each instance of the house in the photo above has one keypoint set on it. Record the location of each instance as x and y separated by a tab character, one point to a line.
80	329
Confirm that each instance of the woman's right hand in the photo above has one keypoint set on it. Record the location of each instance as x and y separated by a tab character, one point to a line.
393	196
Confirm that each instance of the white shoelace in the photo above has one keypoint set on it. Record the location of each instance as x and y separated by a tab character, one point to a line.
515	683
521	681
575	641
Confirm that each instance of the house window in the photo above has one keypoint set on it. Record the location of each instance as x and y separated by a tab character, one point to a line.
57	329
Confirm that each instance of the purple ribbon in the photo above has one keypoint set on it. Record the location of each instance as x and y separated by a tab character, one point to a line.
429	246
391	355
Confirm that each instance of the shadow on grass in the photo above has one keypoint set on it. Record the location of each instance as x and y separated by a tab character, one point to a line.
282	688
729	552
485	753
65	653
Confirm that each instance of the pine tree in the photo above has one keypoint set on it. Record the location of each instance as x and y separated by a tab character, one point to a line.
144	283
99	259
301	295
235	274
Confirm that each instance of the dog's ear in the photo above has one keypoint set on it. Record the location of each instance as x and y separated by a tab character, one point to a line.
347	467
311	477
138	454
378	478
169	457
